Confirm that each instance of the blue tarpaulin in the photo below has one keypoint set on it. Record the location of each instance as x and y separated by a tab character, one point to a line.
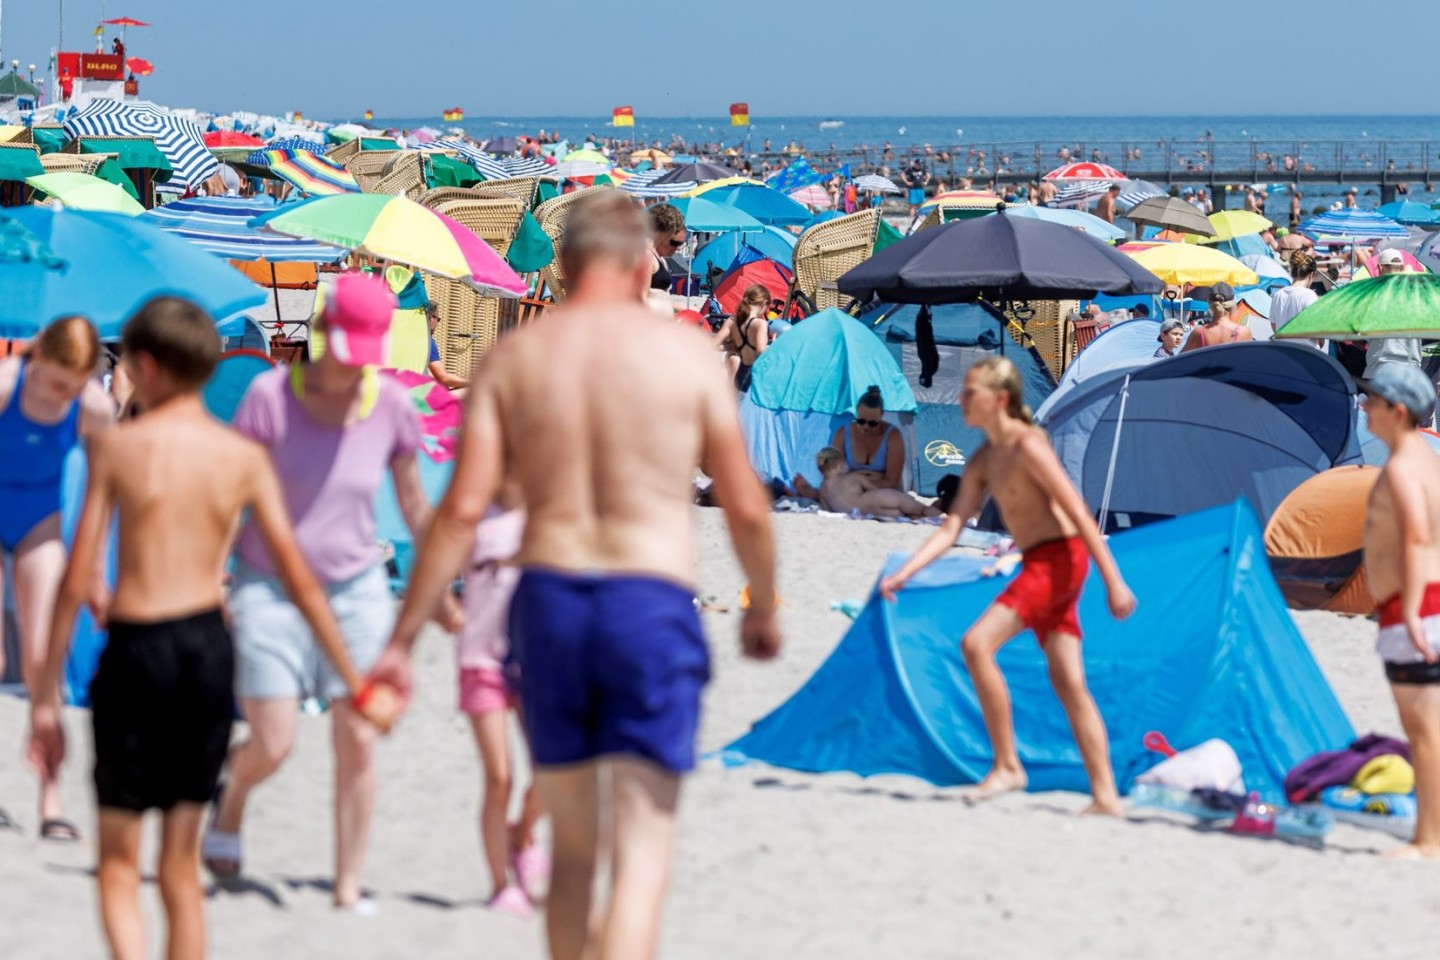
1210	652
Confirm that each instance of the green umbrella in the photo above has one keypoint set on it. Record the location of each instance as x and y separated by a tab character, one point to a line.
80	191
1398	305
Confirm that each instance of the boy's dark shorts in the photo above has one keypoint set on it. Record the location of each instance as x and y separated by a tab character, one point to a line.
161	705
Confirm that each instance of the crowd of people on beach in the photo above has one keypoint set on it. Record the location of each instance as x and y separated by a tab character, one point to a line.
577	612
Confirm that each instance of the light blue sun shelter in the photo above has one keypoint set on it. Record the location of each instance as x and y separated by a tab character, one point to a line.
1211	651
1123	346
806	385
964	333
1163	439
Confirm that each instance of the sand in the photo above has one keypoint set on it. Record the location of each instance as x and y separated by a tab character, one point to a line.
770	863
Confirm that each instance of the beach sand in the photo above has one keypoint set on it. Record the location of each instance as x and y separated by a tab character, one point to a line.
770	863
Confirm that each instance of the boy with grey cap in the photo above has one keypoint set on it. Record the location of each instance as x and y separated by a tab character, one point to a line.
1402	564
1172	335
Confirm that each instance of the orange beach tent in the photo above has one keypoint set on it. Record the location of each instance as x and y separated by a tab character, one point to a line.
1314	541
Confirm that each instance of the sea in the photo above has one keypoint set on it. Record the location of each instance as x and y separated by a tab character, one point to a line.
1236	142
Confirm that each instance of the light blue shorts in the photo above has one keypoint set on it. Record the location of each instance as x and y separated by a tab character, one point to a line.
276	654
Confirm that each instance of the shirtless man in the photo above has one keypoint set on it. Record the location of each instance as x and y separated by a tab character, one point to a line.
163	697
1105	206
844	490
1053	528
603	628
1402	564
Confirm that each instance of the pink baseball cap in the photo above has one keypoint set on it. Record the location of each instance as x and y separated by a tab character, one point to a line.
357	314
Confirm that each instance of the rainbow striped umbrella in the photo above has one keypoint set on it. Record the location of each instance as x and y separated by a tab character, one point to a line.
314	175
400	230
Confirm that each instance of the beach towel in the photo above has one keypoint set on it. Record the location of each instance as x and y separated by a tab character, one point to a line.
1392	813
440	413
1209	765
1336	768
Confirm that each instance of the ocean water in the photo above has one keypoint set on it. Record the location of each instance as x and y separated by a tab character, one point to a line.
1356	144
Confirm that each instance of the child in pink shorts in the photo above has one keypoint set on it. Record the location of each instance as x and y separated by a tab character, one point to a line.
486	698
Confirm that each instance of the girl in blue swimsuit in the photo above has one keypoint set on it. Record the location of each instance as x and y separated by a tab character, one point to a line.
49	400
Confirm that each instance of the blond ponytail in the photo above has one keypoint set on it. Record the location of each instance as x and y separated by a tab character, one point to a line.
998	373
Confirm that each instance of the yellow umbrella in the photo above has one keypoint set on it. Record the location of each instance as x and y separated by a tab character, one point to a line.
724	182
1230	224
1181	263
586	156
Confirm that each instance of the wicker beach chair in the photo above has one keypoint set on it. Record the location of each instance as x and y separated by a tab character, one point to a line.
824	253
17	193
437	195
343	153
468	324
403	176
521	188
368	167
551	216
75	162
144	181
1047	327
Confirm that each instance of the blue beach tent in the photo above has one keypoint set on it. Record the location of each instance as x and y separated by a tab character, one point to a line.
806	385
1195	431
964	333
772	243
895	697
1123	346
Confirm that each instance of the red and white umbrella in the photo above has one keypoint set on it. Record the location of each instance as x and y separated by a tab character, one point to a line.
1085	170
813	196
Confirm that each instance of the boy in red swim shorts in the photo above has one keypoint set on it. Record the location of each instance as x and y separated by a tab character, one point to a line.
1402	565
1057	536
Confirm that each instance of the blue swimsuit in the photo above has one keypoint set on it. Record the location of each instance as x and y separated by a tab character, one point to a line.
32	466
878	463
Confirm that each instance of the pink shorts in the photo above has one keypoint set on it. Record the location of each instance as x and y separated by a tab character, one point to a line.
483	690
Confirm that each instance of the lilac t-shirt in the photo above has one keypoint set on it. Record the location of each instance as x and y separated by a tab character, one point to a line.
329	475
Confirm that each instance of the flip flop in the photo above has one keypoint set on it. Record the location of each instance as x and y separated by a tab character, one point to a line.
60	830
220	853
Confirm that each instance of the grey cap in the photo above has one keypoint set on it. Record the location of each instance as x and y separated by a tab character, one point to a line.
1170	323
1406	385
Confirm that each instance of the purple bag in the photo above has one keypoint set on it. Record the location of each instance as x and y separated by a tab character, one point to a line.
1336	768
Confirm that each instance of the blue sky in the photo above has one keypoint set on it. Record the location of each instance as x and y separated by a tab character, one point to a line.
926	57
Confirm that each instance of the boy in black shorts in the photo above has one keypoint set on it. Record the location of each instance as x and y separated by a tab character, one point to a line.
162	699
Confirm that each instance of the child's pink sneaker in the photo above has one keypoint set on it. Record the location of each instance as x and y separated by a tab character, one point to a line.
532	869
512	900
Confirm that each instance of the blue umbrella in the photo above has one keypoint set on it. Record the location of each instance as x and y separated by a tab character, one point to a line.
1077	219
762	203
772	243
1410	212
1351	224
57	262
221	225
706	216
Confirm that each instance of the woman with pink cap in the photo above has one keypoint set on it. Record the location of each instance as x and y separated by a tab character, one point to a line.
333	427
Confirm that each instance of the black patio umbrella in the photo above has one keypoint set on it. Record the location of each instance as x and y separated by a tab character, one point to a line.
693	173
999	259
1171	213
502	146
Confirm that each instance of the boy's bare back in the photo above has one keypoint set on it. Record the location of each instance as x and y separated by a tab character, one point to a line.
179	481
604	415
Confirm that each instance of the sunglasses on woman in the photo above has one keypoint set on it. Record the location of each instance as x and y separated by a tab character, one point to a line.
868	423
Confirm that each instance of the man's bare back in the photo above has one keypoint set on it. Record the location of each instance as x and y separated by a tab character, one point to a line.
604	414
1030	513
179	481
1416	467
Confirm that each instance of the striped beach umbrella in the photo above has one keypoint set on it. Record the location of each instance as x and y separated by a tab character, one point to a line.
317	176
1352	225
399	229
181	141
222	226
876	184
294	143
643	184
1084	170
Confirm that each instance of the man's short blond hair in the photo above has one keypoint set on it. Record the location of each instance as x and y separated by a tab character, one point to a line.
603	225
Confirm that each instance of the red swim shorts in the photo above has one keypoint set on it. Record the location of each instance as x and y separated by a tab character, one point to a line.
1045	593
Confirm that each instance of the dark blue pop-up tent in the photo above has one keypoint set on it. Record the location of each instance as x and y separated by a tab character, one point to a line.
1210	652
1197	430
964	333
